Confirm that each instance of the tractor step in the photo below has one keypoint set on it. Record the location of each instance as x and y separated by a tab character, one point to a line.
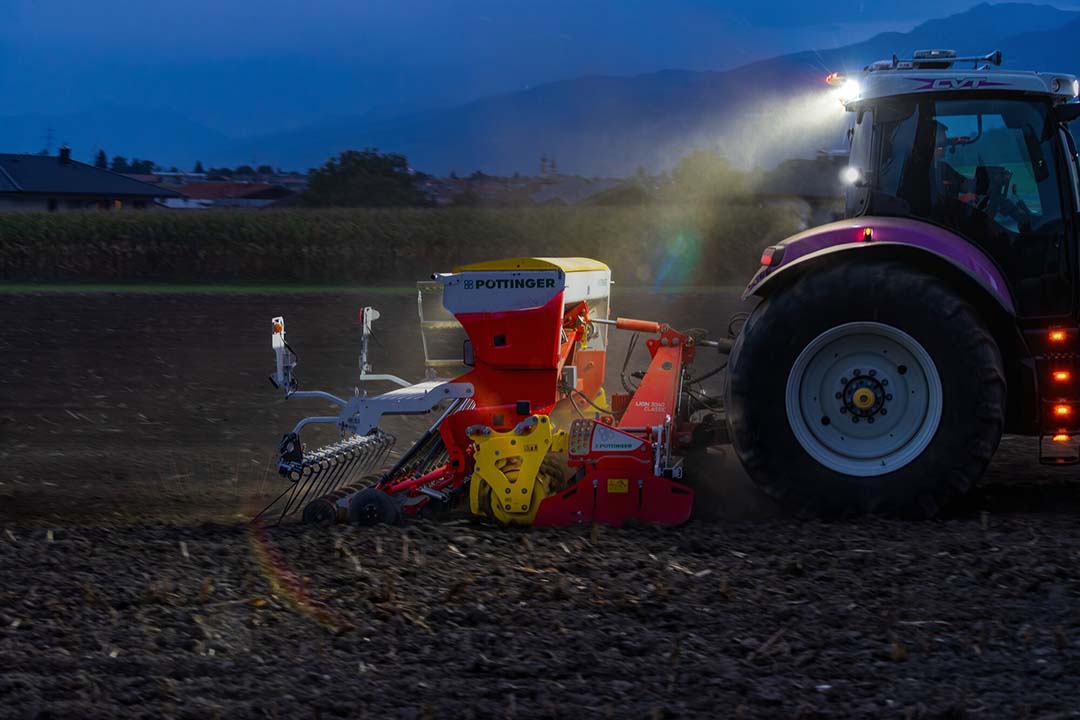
1060	449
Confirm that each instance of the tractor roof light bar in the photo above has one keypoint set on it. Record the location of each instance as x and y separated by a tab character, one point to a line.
936	60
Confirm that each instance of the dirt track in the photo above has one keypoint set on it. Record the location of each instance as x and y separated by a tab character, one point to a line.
121	412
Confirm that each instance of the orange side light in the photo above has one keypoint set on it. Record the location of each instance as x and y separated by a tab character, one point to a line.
1063	411
1061	438
1057	336
1062	376
277	327
772	255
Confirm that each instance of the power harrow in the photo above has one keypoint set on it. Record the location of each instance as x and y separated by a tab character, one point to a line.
528	435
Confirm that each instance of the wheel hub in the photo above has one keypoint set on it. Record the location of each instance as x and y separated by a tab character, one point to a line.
864	398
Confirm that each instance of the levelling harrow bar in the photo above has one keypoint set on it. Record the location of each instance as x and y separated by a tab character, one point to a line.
325	470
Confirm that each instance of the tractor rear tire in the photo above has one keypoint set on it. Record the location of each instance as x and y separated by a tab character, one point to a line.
809	392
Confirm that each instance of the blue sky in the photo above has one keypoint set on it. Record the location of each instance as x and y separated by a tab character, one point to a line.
246	67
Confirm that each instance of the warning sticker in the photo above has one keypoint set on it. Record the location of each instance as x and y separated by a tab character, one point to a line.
618	485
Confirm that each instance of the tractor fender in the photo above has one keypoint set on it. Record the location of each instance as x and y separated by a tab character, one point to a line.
937	252
922	243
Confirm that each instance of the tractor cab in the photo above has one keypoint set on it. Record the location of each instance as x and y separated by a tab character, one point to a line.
983	152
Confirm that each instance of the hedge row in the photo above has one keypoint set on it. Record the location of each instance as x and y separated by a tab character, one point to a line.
675	245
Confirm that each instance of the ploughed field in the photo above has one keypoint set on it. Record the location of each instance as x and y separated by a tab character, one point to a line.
137	433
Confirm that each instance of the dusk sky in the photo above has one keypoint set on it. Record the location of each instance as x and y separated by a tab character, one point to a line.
253	66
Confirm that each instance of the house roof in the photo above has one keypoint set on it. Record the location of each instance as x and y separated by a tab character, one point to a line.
51	175
152	179
234	190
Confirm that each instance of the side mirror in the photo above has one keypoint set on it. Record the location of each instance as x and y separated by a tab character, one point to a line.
1067	113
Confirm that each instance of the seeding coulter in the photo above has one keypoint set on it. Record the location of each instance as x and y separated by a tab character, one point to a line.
526	436
884	357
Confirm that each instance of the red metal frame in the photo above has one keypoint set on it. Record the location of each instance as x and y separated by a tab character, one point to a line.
617	484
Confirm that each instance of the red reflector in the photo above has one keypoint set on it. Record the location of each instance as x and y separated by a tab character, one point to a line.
772	256
1062	375
1062	411
1057	336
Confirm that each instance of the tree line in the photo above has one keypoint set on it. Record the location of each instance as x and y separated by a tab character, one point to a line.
370	178
135	166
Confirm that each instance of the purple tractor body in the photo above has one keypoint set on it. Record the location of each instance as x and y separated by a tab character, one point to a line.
857	235
891	350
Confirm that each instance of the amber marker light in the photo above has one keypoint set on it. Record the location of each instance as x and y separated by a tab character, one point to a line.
1061	438
1057	336
1062	376
1063	411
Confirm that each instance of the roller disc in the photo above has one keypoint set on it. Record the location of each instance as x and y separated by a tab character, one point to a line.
373	507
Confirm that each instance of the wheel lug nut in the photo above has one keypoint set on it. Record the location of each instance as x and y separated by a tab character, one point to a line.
843	381
858	373
884	411
854	419
870	420
872	373
839	395
884	382
888	396
843	410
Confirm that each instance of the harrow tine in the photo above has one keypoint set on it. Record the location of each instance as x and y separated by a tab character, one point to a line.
342	467
325	465
308	475
272	503
384	456
333	469
299	479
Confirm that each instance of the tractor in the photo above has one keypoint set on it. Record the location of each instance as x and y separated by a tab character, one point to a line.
884	358
891	350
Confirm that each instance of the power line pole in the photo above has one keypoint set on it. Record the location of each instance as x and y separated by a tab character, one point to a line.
50	140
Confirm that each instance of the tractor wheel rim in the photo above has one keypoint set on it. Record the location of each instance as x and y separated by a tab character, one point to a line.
864	399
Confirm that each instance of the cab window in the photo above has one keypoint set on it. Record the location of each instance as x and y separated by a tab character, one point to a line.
985	168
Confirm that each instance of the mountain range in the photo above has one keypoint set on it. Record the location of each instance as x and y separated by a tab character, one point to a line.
756	114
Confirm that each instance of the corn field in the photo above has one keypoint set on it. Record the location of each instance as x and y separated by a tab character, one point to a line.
673	245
